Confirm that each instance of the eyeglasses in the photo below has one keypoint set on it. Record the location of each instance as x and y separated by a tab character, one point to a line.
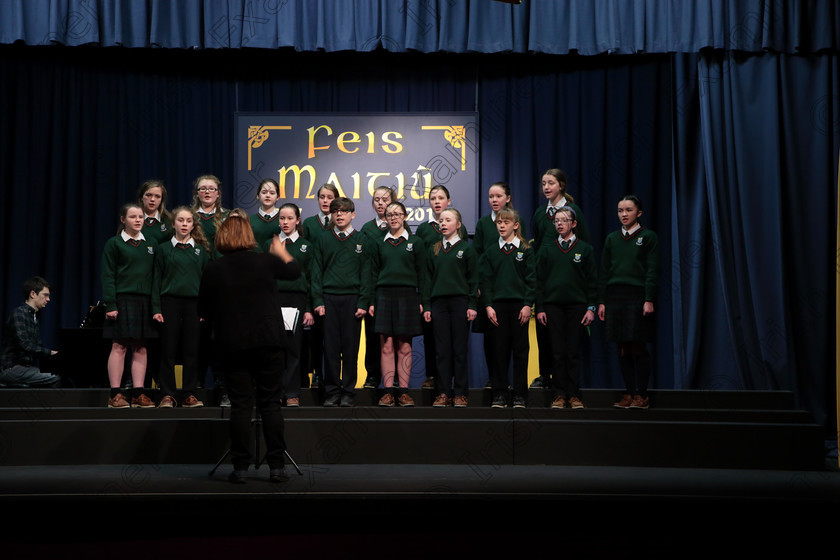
395	215
563	221
341	211
207	189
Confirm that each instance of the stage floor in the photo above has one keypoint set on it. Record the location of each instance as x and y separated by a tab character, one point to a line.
409	511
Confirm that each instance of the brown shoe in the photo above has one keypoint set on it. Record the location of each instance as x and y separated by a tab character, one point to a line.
142	402
460	401
293	401
387	400
167	402
429	383
558	402
118	401
405	400
640	402
442	401
192	402
575	402
624	402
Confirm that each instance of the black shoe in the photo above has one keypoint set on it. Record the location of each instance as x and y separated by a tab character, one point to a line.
224	402
499	402
371	383
346	400
316	381
277	475
332	400
237	476
539	383
519	402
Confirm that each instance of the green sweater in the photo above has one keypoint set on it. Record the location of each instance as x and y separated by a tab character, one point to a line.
430	233
303	251
313	228
127	268
264	227
177	271
544	229
566	277
157	231
487	235
401	262
342	267
632	261
507	276
454	272
208	226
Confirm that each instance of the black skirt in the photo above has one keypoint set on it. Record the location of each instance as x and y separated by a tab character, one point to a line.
397	311
134	319
624	319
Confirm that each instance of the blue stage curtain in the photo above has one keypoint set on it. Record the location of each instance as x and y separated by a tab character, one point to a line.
755	147
585	27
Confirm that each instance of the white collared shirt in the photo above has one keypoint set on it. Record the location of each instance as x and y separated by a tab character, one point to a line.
557	206
629	232
190	241
294	237
346	232
404	235
156	216
514	242
380	223
455	239
126	237
571	239
269	214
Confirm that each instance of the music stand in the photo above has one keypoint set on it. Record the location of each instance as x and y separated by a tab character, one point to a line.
256	421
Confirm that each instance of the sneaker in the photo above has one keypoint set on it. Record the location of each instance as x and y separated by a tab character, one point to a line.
640	402
316	381
429	383
488	384
346	400
442	401
405	400
624	402
142	402
332	400
118	401
224	402
519	402
460	401
370	383
558	402
387	400
499	402
167	402
191	402
575	402
293	401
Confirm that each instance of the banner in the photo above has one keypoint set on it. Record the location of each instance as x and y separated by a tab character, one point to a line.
358	152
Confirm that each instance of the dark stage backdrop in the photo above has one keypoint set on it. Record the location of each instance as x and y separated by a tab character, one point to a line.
734	154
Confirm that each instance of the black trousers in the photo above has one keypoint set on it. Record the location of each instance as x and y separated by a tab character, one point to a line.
341	344
451	334
564	332
509	341
292	375
255	376
180	334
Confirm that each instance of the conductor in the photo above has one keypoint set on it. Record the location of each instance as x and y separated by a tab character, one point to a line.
239	297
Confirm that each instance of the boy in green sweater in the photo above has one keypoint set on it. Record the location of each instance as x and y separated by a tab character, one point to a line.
341	289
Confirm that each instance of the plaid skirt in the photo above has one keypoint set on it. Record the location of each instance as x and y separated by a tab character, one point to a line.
624	320
397	311
134	319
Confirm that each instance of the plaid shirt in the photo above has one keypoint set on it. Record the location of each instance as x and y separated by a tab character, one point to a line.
22	344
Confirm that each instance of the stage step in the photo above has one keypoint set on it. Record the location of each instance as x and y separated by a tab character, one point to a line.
699	429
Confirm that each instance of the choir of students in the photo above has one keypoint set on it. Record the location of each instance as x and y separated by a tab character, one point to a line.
398	284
